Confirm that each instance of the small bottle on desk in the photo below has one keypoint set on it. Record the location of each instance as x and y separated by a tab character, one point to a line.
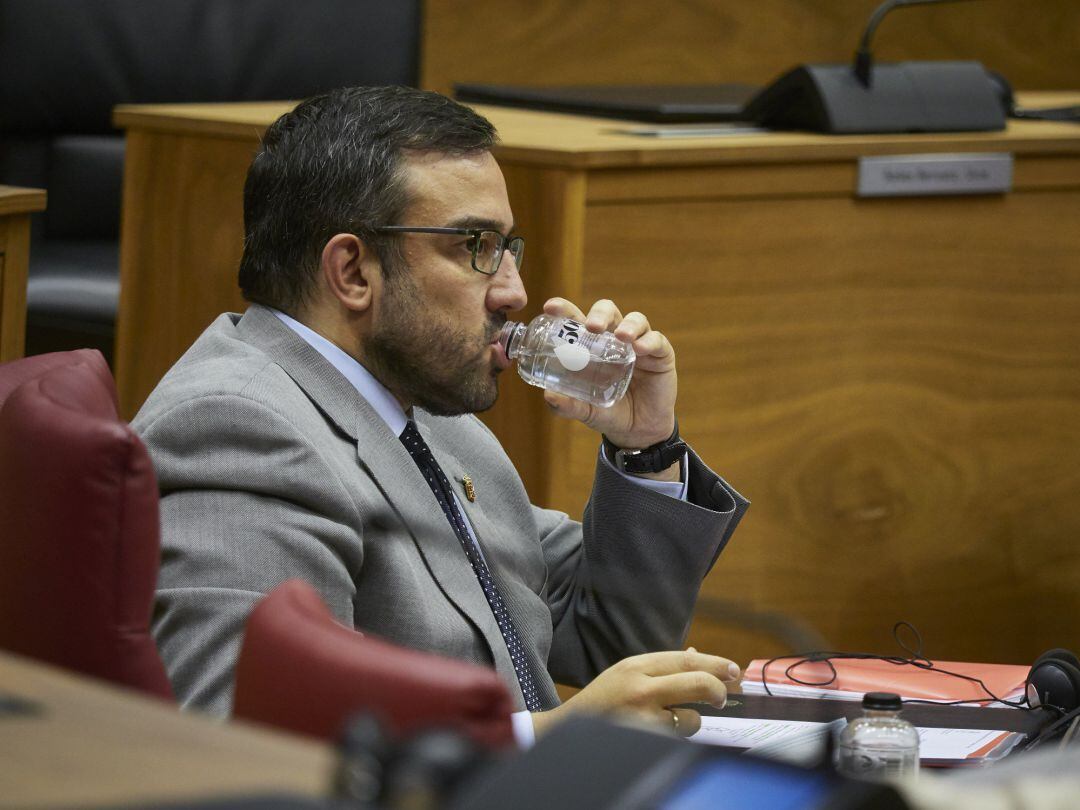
880	745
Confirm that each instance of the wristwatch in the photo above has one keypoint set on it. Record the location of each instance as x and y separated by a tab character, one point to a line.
652	459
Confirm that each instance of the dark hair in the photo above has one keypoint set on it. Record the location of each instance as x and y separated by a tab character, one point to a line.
333	165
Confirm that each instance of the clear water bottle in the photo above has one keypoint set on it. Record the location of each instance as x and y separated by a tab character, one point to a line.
561	355
879	746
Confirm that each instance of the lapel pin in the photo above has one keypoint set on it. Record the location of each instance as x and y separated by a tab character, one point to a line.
470	490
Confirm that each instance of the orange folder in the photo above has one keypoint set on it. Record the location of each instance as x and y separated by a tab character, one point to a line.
856	676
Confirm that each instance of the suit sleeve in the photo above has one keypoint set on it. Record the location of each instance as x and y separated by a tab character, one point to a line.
246	503
625	581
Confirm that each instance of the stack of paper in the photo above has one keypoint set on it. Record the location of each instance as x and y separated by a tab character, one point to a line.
854	677
803	743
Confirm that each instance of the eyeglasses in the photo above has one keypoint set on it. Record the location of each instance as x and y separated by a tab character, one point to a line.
487	246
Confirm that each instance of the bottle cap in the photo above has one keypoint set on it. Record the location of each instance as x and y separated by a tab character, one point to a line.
506	335
881	701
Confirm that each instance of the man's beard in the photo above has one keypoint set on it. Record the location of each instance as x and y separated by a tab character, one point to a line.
435	365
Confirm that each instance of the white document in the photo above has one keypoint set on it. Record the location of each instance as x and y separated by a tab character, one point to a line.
945	745
801	742
746	732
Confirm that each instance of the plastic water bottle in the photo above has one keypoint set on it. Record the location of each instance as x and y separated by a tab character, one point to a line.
879	746
561	355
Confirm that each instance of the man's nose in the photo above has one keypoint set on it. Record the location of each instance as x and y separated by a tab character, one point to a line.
506	291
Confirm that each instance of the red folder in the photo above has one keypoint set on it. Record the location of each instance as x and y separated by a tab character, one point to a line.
856	676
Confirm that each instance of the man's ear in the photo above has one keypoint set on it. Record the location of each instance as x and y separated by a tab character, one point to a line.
349	267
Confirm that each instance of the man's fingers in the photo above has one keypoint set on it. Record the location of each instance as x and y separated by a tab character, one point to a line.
688	687
603	316
569	407
632	327
563	308
672	661
652	344
686	722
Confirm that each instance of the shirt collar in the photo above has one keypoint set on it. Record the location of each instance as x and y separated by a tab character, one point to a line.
376	394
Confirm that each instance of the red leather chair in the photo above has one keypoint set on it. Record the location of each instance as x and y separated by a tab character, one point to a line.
79	527
301	670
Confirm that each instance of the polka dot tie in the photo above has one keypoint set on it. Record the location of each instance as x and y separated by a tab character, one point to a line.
440	487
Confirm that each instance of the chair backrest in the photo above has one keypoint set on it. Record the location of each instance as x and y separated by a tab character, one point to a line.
64	65
79	530
301	670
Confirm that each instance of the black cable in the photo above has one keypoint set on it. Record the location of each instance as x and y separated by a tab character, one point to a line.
915	658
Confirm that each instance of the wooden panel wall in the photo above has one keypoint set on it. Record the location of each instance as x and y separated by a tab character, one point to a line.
16	204
1036	45
906	422
893	382
182	237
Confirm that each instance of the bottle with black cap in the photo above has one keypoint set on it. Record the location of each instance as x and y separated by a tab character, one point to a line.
880	745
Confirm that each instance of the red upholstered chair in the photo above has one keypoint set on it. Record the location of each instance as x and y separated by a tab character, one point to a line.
301	670
79	525
15	373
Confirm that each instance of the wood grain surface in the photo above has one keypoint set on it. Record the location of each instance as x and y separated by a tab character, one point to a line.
1037	46
90	744
181	241
16	205
895	386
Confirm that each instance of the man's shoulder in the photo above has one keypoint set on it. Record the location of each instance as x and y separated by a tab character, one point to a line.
221	362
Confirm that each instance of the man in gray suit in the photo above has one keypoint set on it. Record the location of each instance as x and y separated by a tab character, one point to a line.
327	432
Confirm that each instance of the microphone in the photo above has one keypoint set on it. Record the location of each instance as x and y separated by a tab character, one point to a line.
864	60
861	98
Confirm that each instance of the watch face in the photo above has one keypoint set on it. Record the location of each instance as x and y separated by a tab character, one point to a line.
655	459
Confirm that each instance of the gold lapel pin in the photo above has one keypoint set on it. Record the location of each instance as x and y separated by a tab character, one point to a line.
470	490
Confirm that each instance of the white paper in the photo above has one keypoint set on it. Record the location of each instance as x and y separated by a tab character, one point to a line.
745	732
800	740
959	743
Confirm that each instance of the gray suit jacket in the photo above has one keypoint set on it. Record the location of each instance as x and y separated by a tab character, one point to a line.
272	466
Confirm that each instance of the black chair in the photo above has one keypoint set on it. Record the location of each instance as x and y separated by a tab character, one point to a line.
64	64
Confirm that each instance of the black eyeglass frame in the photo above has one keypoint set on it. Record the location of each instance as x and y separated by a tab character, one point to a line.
515	244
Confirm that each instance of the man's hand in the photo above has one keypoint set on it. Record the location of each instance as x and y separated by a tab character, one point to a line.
646	415
645	687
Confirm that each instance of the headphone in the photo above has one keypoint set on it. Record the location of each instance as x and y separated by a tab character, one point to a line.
1054	681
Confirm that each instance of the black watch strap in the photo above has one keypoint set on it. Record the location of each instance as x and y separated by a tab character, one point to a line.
651	459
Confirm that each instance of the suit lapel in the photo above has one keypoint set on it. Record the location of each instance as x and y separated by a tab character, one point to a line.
386	461
446	558
528	611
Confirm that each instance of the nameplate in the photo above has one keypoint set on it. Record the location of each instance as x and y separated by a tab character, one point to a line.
916	175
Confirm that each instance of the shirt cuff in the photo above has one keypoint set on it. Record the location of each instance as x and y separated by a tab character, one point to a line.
524	732
673	489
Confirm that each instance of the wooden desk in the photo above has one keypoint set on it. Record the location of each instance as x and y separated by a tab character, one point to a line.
86	743
892	381
16	205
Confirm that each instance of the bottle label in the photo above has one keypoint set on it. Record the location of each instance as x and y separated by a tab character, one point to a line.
567	348
569	331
